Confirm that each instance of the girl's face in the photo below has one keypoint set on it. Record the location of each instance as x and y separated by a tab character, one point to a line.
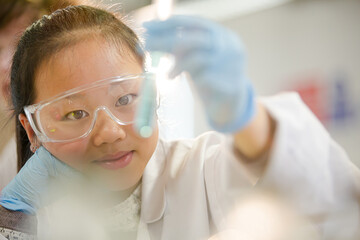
114	152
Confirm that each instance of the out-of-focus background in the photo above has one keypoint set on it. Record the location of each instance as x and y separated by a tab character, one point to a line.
308	46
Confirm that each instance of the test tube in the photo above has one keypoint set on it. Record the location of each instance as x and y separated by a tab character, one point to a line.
145	116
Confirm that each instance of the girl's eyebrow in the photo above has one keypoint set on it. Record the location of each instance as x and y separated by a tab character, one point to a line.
125	87
112	87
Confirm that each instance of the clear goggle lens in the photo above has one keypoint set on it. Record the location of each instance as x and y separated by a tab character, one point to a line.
73	114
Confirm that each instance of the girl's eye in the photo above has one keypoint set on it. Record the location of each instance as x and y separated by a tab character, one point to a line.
125	100
76	115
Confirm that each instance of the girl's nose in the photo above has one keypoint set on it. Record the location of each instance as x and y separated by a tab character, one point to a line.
106	130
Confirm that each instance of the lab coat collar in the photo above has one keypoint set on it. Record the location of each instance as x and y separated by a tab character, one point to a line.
153	186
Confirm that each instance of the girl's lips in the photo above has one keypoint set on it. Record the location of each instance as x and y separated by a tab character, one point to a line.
119	160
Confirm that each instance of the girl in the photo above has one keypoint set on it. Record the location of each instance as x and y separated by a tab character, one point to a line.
75	84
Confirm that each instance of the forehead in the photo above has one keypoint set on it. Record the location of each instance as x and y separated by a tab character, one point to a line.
80	64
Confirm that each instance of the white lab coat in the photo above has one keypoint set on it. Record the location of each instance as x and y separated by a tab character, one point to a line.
190	187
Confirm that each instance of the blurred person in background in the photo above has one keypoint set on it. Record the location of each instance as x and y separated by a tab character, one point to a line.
15	16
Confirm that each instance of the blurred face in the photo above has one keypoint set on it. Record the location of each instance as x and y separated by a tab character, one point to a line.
9	36
114	152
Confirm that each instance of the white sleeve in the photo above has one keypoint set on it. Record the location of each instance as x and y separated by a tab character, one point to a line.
299	158
305	167
308	168
304	159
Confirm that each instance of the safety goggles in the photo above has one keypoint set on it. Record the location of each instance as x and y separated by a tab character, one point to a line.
72	115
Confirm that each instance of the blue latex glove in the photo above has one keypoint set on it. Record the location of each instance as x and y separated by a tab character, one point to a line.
215	59
27	192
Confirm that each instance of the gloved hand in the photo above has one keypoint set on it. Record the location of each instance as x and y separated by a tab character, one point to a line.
214	57
30	188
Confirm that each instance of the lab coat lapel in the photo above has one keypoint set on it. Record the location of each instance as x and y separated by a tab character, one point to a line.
153	200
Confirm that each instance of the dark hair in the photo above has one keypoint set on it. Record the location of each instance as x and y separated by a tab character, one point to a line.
13	9
49	35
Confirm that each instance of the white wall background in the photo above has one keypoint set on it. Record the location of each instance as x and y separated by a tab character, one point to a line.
319	37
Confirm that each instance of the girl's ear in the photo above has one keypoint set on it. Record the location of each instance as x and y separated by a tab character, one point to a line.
29	131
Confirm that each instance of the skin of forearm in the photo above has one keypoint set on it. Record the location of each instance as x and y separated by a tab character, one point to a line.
255	140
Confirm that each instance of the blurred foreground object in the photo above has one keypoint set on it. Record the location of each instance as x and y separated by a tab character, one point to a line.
17	225
262	216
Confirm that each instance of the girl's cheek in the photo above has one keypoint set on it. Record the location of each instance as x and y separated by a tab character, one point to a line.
72	153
